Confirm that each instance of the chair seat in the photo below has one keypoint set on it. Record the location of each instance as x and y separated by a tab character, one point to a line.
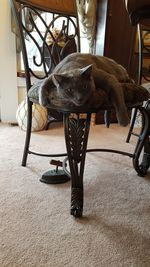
134	96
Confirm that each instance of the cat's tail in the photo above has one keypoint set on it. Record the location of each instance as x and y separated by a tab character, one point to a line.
121	109
116	96
122	115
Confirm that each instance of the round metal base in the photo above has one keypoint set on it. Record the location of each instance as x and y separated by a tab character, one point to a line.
54	177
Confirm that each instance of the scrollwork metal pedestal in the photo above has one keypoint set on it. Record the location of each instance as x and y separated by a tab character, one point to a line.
143	143
76	135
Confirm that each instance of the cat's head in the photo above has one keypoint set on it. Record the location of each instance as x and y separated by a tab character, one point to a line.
76	86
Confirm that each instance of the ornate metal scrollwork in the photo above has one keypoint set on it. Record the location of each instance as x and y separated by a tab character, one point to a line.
76	134
76	202
51	38
143	141
145	164
76	137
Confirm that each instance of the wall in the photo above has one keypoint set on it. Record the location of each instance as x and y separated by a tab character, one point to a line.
8	78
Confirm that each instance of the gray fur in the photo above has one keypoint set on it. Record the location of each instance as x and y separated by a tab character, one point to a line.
78	76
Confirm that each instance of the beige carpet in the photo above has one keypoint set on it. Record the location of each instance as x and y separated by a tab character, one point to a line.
36	229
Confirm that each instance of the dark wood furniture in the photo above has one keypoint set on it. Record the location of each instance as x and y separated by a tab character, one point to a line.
139	14
115	38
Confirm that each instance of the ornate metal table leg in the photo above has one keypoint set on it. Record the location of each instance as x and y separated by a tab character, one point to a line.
145	164
76	135
143	141
146	156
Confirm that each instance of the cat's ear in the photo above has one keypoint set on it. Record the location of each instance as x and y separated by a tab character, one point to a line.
86	71
57	79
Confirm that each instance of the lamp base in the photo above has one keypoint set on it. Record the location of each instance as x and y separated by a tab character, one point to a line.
54	177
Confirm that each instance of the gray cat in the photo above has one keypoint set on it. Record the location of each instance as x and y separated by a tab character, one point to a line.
80	78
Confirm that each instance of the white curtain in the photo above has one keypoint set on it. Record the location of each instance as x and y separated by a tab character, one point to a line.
87	18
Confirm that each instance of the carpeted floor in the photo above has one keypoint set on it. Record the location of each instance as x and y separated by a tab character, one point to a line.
36	229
